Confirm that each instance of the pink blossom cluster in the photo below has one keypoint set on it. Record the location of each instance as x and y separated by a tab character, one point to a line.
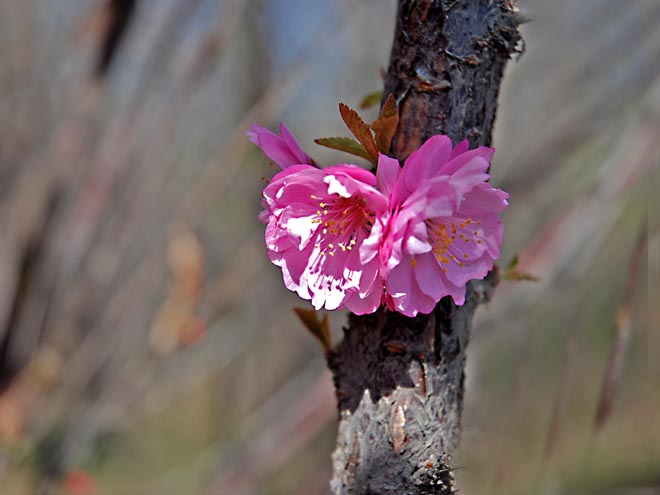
404	237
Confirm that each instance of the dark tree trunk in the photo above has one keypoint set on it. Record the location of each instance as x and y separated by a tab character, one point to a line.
399	380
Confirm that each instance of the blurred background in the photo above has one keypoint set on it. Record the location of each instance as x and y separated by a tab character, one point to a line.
147	346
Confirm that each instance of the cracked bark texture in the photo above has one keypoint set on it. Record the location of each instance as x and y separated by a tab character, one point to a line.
400	381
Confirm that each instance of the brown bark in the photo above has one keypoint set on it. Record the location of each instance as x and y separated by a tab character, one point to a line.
400	381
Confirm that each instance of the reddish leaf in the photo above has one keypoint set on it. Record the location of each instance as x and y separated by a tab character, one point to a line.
385	126
360	130
345	144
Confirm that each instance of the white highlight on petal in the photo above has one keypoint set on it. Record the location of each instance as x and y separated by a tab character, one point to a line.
336	187
302	227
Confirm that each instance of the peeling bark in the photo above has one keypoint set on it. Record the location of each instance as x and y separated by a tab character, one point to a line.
400	381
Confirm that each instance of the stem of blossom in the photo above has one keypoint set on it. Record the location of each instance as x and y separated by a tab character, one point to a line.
400	381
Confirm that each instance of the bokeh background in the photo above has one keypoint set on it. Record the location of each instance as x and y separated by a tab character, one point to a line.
148	347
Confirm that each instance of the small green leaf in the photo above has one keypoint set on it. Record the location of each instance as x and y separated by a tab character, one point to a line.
385	126
371	100
518	276
345	144
513	263
360	130
318	328
513	274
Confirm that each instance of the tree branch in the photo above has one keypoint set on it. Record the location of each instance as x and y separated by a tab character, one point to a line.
400	381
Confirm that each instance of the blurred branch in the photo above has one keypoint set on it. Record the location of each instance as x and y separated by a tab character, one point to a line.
616	360
117	16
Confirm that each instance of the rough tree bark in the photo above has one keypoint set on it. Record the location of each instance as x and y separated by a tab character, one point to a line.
400	381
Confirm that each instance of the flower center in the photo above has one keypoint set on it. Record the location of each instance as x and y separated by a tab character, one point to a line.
441	238
443	235
340	220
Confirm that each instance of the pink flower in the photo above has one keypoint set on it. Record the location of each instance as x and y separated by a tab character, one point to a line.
405	238
283	149
323	230
444	229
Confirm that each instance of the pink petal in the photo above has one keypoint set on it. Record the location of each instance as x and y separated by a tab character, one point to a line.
357	173
457	293
471	174
426	162
391	251
293	271
442	198
346	185
366	305
283	150
459	149
389	302
429	276
367	298
458	160
433	282
387	173
417	238
483	199
406	294
326	281
371	245
476	270
294	146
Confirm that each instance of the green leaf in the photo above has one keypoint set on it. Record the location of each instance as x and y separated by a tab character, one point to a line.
318	328
385	126
360	130
345	144
513	263
371	100
513	274
516	275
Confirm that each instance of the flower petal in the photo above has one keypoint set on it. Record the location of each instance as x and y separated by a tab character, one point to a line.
417	238
459	159
432	280
459	149
426	162
407	297
387	173
357	173
283	150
